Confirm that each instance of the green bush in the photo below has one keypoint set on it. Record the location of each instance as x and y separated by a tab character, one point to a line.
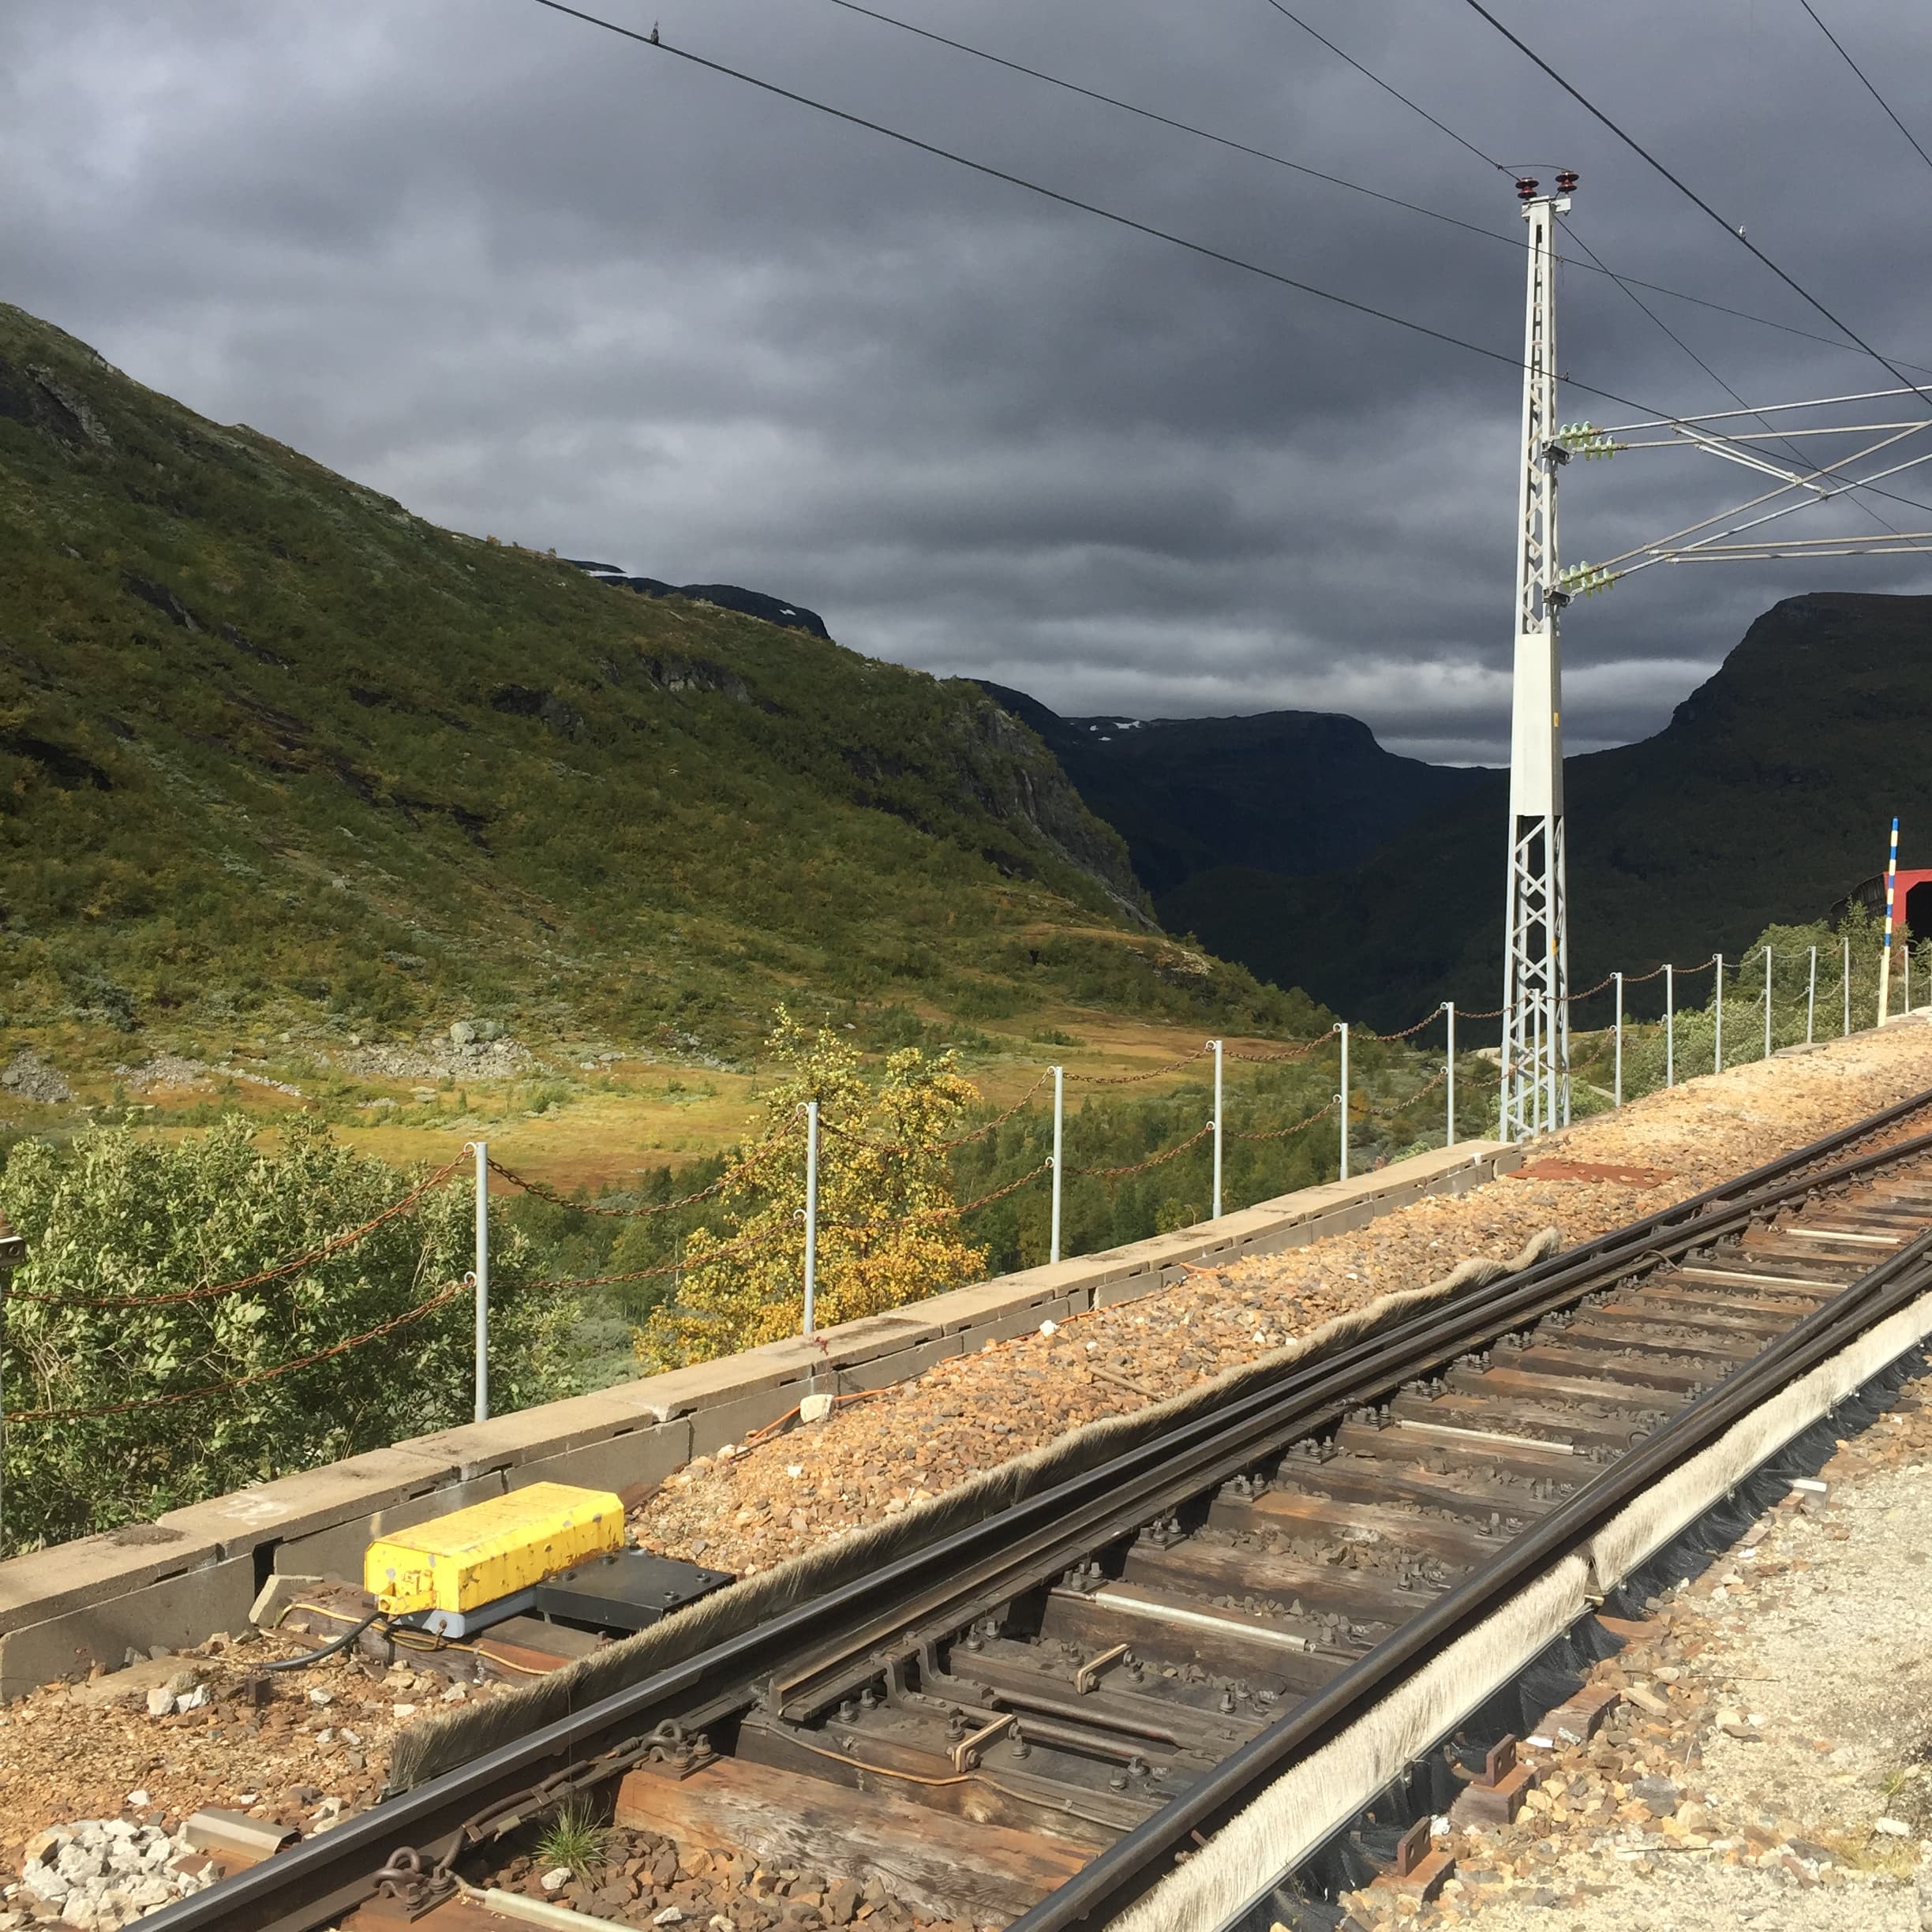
114	1215
1653	1054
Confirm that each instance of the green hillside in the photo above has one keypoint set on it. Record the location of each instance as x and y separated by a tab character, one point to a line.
1767	798
273	746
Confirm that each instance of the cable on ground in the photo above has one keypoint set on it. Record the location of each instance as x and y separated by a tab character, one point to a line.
328	1649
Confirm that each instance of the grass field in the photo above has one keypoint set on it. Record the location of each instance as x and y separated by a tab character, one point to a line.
570	1126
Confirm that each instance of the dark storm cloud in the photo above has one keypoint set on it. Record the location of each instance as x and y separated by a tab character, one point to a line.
538	282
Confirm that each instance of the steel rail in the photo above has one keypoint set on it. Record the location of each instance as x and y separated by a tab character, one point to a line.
1110	1882
316	1880
1161	1475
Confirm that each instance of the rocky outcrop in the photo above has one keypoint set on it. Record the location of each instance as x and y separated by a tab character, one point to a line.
726	597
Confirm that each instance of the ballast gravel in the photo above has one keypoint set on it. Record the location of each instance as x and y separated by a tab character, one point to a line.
233	1737
746	1509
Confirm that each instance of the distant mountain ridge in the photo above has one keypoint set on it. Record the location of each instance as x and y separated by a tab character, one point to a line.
1291	792
1767	798
725	597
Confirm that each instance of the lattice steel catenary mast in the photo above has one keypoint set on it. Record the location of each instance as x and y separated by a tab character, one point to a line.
1535	950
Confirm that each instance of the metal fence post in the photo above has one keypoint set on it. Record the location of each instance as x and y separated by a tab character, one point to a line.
1767	1002
1059	1074
1848	989
1216	1214
1617	1092
1905	961
811	1216
1717	1043
481	1149
1670	1026
1449	1007
1343	1097
1811	996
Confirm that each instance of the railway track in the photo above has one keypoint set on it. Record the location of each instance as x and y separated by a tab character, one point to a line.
1024	1724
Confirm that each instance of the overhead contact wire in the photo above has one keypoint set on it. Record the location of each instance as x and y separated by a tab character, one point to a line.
1509	361
1691	195
1870	88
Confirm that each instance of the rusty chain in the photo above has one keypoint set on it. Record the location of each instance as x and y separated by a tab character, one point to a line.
1153	1160
1130	1080
213	1291
440	1299
1283	1133
743	1167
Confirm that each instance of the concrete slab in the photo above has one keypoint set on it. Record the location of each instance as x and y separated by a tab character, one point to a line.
179	1611
643	1455
313	1499
732	1422
882	1371
48	1582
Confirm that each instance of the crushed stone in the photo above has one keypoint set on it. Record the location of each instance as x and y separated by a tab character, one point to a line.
33	1078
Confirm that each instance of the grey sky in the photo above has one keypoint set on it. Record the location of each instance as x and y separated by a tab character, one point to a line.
538	281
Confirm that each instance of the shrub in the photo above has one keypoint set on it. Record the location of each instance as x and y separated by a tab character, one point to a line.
115	1216
888	1232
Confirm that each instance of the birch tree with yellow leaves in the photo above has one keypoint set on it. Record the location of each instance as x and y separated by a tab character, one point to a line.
888	1229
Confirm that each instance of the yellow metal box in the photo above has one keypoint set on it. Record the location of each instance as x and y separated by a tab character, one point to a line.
474	1556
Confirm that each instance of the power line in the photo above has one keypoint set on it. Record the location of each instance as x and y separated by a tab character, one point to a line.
1691	195
1797	454
1338	181
1594	261
1054	194
1868	88
1460	141
1512	362
1168	120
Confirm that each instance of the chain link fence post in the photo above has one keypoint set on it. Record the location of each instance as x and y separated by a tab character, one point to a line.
1449	1130
1717	1042
811	1216
1059	1074
481	1149
1811	996
1343	1097
1767	1002
1670	1026
1217	1045
1616	1090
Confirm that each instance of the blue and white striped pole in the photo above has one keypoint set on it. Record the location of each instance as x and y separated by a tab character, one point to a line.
1884	958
